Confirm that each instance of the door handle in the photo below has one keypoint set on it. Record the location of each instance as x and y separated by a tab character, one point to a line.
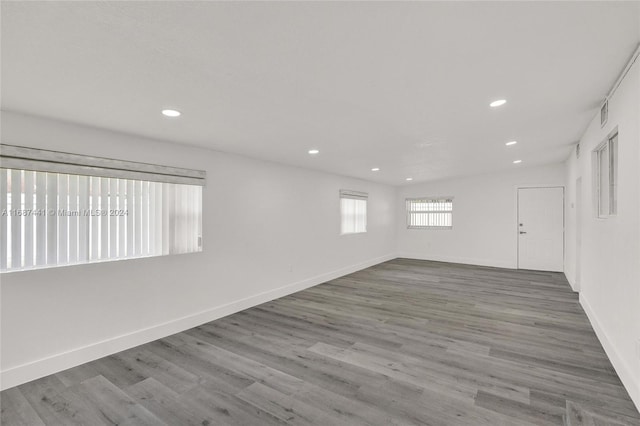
522	232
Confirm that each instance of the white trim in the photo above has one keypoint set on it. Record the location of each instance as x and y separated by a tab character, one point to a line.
17	375
408	202
625	71
350	204
631	384
463	260
596	153
571	281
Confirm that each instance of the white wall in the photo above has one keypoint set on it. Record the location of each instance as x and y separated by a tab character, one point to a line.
610	253
269	230
484	217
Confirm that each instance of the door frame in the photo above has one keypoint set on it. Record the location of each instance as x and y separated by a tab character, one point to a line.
517	220
579	206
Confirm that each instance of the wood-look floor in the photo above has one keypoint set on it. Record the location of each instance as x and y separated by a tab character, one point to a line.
402	343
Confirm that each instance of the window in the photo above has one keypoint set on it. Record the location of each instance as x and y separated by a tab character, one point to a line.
606	177
604	113
62	209
353	211
425	213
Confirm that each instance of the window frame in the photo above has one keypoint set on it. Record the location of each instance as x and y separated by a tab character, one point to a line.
409	212
345	194
608	147
71	209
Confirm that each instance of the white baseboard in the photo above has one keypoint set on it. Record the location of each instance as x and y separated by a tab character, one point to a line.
463	260
34	370
571	280
631	383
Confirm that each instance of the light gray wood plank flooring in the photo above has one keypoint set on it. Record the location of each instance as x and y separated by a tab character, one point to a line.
405	342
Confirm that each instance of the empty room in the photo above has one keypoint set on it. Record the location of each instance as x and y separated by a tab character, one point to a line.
320	213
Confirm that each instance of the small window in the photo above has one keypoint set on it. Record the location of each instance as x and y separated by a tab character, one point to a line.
353	212
430	213
604	113
606	177
63	209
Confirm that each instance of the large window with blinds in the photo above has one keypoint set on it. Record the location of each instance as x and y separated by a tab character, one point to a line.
63	209
353	212
430	213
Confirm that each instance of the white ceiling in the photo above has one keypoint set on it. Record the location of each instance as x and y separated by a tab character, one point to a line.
400	86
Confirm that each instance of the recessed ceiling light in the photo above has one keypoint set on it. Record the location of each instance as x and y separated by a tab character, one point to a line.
375	169
497	103
313	151
171	113
409	179
511	143
517	161
423	144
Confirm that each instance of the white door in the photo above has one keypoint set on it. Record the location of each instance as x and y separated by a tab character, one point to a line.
541	229
578	232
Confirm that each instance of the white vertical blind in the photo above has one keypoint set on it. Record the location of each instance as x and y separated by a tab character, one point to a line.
160	231
28	224
53	219
84	221
95	218
152	217
188	222
73	220
63	220
129	208
144	218
113	218
181	225
104	220
193	220
41	218
121	218
168	220
177	228
4	218
16	221
137	211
